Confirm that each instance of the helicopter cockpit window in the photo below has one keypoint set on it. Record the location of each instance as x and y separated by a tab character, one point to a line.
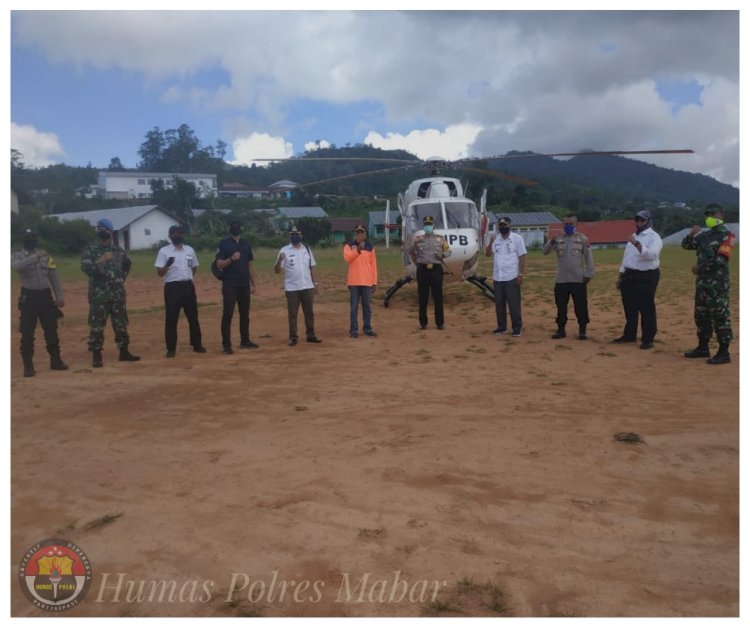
416	214
461	215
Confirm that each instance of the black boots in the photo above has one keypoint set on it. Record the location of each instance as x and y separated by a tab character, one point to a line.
28	366
97	360
722	355
126	356
701	351
560	333
56	363
582	332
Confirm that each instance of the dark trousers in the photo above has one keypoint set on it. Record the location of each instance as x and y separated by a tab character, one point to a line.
295	298
180	295
235	295
430	280
357	294
99	312
508	299
38	304
563	292
638	289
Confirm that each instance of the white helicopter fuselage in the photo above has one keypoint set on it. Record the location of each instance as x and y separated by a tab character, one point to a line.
456	218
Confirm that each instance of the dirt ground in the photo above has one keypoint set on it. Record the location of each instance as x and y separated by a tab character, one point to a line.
431	472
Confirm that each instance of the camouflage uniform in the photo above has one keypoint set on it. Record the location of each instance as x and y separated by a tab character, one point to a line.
106	293
714	248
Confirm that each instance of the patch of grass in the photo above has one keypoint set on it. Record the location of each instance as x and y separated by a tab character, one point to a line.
631	438
438	607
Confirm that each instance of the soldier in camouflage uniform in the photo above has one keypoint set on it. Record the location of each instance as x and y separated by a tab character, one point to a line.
714	249
107	266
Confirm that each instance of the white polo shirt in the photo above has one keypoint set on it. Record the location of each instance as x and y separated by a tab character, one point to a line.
648	257
296	264
506	253
184	262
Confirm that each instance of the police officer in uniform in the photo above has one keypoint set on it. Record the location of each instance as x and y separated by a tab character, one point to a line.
107	267
177	263
235	258
37	271
575	268
714	249
427	252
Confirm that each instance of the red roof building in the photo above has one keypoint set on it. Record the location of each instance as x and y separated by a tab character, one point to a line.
600	233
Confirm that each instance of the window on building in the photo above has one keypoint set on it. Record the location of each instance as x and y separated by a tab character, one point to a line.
141	181
147	231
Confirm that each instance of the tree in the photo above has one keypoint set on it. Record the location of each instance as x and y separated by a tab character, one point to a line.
151	151
314	229
115	165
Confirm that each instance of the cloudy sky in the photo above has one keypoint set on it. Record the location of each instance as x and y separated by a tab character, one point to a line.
86	86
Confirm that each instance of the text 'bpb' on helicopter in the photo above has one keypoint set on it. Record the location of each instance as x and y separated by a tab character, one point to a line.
456	217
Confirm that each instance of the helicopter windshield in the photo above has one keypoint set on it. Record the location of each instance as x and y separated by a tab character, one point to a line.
416	214
461	215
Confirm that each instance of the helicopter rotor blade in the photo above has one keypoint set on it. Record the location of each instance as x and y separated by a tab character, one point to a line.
499	175
378	159
670	151
351	176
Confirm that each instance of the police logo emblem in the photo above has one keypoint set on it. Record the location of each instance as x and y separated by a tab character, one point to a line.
55	575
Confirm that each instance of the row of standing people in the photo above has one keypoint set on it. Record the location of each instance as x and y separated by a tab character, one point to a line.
107	267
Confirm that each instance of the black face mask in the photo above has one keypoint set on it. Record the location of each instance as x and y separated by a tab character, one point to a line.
29	244
235	231
504	230
177	240
103	235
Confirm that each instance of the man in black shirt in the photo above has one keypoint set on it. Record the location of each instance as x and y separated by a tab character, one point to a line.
235	258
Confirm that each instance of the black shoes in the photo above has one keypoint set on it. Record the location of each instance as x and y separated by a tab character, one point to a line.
371	333
28	369
169	354
97	361
698	352
249	345
56	364
497	331
423	327
126	356
722	356
647	345
354	334
623	339
441	327
227	349
200	349
292	342
315	340
560	333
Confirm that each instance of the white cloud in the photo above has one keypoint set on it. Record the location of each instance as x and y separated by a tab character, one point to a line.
259	145
538	79
317	144
38	148
453	143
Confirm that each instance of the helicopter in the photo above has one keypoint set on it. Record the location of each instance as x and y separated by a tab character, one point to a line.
457	218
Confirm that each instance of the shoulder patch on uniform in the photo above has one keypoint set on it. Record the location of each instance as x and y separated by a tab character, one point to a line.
726	246
51	263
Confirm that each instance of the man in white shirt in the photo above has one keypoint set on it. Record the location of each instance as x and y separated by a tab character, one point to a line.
509	252
639	277
297	262
177	263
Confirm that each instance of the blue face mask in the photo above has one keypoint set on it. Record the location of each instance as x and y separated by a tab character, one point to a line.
428	228
569	229
295	240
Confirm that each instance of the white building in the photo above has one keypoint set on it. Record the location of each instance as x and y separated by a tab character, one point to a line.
135	228
125	185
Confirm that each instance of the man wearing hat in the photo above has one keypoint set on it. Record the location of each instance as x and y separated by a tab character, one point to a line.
509	262
235	257
107	267
177	263
297	262
714	250
427	252
638	280
362	279
41	296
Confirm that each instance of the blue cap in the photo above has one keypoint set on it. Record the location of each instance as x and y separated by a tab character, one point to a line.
105	223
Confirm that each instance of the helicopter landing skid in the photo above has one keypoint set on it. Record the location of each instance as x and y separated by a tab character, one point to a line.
394	288
481	283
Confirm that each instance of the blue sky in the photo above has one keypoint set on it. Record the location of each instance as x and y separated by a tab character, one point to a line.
86	86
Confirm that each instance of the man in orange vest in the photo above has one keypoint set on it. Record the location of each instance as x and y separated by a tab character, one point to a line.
362	280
